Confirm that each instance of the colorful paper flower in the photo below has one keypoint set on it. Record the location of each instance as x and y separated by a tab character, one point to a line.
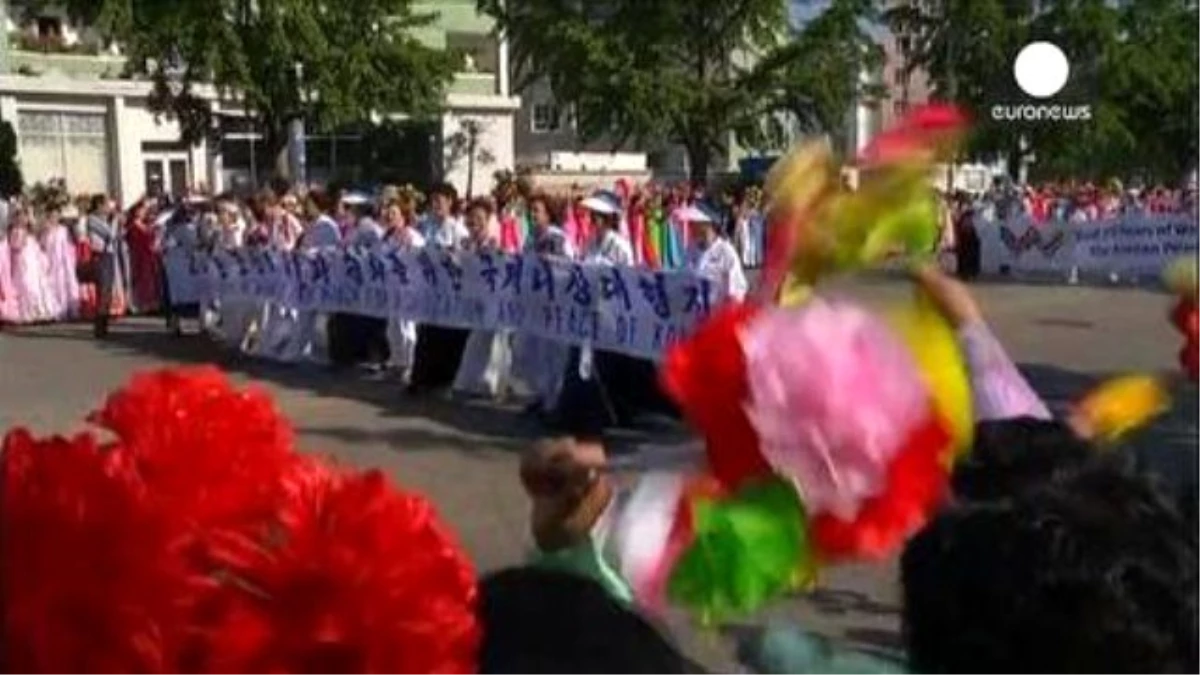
706	376
92	576
198	541
747	549
365	579
833	395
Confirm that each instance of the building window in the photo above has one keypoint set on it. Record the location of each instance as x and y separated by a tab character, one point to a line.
545	118
334	157
900	78
900	108
68	145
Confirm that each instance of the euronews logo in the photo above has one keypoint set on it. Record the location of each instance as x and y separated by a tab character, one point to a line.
1041	70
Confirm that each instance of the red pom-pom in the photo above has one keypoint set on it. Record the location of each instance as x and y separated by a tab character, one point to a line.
915	136
1185	317
1189	359
364	580
210	453
199	541
916	484
706	375
91	577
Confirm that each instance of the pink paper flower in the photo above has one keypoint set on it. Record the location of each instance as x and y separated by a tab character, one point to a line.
833	396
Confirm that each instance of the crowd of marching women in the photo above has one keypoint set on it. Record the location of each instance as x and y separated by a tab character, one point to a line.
101	263
47	249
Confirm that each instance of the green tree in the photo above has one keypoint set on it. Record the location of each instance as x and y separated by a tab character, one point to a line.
1134	62
691	72
11	181
330	63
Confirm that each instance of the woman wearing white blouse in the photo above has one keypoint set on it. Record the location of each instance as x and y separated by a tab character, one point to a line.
711	256
399	235
486	360
439	348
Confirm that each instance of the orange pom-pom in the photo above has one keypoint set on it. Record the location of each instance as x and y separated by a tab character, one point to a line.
365	579
706	376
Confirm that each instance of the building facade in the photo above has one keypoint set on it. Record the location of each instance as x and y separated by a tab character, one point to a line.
76	118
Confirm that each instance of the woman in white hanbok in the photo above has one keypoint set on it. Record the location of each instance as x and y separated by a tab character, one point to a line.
712	256
539	362
280	231
238	323
486	360
400	235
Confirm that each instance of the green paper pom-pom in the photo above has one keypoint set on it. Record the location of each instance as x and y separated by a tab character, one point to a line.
748	549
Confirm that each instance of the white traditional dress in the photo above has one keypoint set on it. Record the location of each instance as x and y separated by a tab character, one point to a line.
720	262
308	339
537	361
487	359
439	348
238	317
402	333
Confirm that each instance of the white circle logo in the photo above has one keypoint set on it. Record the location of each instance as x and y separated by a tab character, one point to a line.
1041	69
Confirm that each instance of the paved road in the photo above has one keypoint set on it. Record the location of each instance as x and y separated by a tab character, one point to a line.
464	456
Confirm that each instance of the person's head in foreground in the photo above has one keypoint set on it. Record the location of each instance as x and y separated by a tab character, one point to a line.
1010	456
1092	570
544	621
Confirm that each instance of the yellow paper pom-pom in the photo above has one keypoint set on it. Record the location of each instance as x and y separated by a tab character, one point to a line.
1180	277
935	348
800	179
1121	405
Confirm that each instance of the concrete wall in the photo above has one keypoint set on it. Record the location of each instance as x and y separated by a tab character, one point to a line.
130	125
494	143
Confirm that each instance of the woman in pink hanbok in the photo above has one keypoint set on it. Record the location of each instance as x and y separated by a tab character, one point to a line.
30	273
60	253
8	294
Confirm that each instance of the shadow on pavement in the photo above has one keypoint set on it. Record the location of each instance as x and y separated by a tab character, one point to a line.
501	424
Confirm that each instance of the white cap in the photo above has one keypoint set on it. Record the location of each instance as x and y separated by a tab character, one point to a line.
695	213
355	198
603	201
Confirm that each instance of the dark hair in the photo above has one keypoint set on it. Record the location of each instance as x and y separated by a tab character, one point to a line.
1012	455
1093	573
543	199
544	621
483	203
97	202
446	190
323	200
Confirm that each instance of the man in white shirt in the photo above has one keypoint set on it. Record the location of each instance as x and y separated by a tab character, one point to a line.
711	255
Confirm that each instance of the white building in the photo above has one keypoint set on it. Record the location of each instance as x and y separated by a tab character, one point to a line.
75	119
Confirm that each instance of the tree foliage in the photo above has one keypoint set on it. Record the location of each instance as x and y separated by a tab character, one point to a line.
691	71
1134	62
329	62
11	181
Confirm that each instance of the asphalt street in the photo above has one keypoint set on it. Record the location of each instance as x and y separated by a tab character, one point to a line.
463	455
